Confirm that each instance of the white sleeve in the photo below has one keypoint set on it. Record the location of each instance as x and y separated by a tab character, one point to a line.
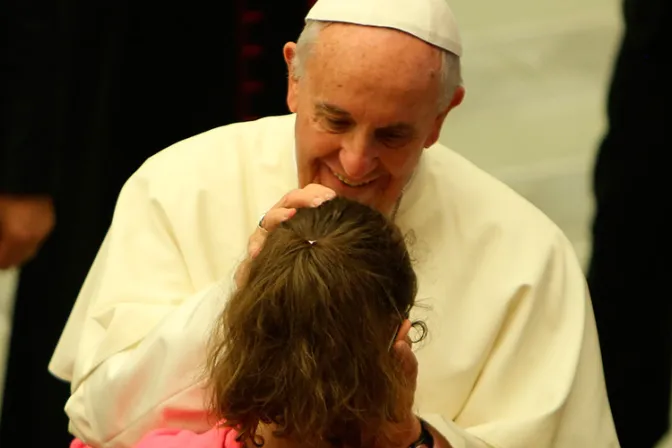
156	383
542	384
134	345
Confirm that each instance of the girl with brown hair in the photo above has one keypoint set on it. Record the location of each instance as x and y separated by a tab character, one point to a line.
302	355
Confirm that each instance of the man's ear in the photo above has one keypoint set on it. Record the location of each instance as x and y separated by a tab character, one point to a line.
433	137
289	53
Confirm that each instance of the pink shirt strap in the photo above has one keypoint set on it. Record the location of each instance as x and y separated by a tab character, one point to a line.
177	438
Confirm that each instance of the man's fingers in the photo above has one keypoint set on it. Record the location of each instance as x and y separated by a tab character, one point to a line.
409	370
269	222
256	242
309	196
274	217
408	360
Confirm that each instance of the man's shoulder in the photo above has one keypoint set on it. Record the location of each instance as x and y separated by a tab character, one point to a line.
224	145
227	154
467	224
480	189
484	205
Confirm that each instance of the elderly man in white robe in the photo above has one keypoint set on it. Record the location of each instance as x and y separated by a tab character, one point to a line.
512	359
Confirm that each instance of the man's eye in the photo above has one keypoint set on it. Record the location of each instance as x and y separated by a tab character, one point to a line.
394	139
337	124
392	136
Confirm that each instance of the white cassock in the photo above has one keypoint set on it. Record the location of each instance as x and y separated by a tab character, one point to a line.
512	358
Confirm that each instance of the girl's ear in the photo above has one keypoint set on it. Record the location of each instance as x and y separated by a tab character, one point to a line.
402	333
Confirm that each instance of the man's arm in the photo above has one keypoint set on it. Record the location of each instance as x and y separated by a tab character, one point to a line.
134	344
542	384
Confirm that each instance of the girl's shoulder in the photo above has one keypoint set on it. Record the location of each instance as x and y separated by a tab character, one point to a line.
218	437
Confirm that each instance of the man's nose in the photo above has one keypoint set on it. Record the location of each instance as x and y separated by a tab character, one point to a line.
358	157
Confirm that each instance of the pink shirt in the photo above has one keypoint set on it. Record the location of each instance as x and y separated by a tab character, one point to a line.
177	438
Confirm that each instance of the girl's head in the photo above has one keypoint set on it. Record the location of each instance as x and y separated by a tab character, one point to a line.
304	344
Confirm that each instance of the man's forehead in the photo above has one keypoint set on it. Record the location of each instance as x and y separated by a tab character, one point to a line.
381	57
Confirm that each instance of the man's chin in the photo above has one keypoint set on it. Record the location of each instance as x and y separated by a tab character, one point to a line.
369	195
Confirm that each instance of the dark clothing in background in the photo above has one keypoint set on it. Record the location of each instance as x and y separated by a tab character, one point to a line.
90	90
630	266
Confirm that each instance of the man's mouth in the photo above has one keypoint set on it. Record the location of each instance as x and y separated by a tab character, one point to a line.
350	183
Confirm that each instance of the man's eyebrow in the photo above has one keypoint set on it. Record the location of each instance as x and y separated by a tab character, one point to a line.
401	127
330	109
323	108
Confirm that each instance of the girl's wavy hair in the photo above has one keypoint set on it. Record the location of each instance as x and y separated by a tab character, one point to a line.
304	344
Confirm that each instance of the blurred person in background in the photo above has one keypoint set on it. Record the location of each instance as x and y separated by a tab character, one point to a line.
91	90
627	278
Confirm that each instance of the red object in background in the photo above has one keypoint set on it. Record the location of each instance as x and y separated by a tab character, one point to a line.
251	17
262	27
244	18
